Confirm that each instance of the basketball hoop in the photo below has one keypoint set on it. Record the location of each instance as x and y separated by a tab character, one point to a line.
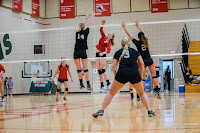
34	77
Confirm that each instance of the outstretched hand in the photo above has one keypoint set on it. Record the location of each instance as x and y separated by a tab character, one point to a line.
87	16
123	24
103	22
137	24
92	14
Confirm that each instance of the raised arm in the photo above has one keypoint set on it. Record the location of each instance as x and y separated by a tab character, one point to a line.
70	74
91	19
124	27
101	29
56	72
138	26
86	19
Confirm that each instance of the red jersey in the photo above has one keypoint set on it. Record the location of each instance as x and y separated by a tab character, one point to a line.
2	68
63	72
103	43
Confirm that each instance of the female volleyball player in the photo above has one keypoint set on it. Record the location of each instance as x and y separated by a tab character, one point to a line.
62	70
2	71
80	50
103	48
128	72
143	48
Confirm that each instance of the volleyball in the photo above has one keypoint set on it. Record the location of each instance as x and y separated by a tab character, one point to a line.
100	8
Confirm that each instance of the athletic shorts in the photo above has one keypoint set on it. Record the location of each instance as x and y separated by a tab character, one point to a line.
148	61
97	55
80	54
126	76
62	80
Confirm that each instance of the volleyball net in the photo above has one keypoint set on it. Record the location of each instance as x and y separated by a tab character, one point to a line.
25	53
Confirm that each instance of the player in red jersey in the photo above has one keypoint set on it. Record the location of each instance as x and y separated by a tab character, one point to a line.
2	71
62	70
103	48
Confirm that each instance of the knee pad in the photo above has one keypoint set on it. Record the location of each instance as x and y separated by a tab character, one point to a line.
100	72
103	70
58	90
79	71
154	77
66	89
86	70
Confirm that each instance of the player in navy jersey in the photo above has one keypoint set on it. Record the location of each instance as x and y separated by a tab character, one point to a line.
80	54
127	72
143	48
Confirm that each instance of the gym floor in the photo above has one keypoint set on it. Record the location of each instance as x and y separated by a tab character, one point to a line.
175	112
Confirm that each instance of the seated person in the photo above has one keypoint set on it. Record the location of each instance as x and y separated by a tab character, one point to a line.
188	75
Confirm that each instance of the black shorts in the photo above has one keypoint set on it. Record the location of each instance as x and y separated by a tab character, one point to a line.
80	54
130	76
97	55
148	61
62	80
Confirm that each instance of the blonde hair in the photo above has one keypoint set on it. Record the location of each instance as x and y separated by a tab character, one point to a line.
144	40
113	40
81	27
125	44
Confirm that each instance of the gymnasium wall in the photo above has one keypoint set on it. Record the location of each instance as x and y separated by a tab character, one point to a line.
27	6
163	38
118	6
22	45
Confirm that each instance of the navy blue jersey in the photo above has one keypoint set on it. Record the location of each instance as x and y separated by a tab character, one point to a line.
129	61
144	51
81	40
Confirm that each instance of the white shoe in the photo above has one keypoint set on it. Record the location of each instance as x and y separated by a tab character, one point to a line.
108	87
2	104
102	89
198	78
2	99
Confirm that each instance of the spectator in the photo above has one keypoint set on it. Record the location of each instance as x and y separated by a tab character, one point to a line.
158	73
10	86
6	86
167	78
188	75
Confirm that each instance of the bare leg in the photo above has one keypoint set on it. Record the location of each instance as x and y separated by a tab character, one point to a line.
66	86
85	67
78	67
99	68
58	87
153	74
103	66
116	86
140	90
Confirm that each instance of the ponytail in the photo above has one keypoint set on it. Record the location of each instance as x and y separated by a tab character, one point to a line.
125	44
123	53
113	40
144	40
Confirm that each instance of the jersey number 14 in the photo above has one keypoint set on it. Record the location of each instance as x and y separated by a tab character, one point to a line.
80	36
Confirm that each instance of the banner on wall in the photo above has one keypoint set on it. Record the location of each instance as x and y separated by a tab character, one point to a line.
35	8
159	6
102	8
17	5
67	9
0	2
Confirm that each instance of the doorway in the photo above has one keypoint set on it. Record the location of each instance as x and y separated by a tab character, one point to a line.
164	63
